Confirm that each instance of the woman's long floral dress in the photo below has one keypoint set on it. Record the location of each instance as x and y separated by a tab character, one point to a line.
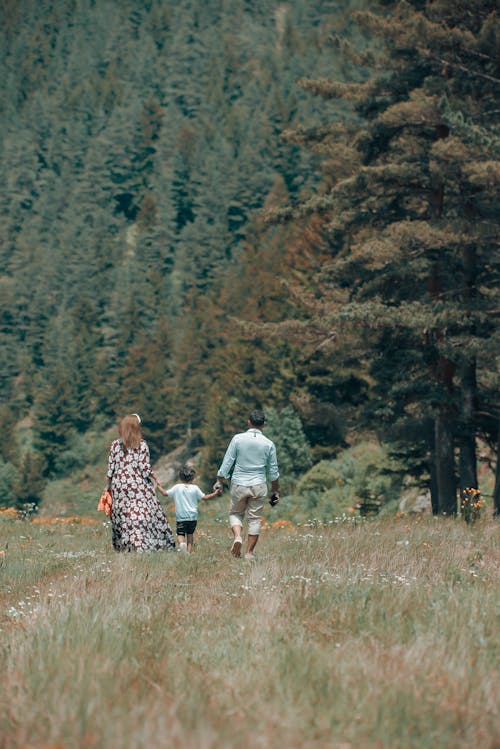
137	518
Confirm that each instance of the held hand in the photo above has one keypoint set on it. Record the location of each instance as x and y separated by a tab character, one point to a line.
161	490
274	499
218	487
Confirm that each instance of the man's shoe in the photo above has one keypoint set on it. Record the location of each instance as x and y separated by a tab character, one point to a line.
236	547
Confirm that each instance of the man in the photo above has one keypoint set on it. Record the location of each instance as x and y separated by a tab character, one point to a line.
251	457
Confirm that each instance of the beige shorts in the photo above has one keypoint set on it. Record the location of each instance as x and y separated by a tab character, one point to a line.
249	499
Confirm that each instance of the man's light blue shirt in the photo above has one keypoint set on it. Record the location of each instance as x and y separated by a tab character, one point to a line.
253	457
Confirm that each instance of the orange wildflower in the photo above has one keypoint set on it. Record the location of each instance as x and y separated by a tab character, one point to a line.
279	524
65	521
10	512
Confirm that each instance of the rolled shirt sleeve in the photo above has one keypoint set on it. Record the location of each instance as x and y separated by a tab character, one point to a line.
272	465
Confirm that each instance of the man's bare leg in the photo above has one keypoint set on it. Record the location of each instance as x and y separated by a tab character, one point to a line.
252	543
237	543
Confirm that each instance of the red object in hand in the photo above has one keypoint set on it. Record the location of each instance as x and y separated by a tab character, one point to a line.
105	503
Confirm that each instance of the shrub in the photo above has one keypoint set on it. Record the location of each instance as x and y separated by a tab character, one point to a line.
471	505
294	456
8	479
362	478
82	450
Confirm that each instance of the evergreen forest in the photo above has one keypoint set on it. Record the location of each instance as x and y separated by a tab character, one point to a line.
212	205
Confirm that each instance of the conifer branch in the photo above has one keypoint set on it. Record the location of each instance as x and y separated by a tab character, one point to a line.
328	89
315	135
470	72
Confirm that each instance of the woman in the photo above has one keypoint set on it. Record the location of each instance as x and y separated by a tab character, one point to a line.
137	518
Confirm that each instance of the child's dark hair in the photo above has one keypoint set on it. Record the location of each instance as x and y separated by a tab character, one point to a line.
187	473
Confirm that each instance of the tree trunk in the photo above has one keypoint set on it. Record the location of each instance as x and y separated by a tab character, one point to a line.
467	437
468	382
433	485
496	491
445	473
444	369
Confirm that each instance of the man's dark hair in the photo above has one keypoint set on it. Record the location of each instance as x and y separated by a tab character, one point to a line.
187	473
257	418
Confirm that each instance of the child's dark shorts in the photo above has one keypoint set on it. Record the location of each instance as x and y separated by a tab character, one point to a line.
185	527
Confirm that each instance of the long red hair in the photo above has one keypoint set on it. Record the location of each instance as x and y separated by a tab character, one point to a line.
129	430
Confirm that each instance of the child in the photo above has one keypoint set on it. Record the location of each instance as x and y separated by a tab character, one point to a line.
186	495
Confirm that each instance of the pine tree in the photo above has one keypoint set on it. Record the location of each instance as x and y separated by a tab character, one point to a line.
55	405
146	384
8	442
407	211
30	481
285	429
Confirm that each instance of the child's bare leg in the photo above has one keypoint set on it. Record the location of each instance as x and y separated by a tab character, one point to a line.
190	539
181	540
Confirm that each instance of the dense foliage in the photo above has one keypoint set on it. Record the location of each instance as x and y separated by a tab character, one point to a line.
143	144
408	217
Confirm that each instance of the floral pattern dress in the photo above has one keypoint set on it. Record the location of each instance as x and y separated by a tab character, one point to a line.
137	518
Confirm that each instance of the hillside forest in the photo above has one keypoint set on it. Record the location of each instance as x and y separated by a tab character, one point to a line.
208	206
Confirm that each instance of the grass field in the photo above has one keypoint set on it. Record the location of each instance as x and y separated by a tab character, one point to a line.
353	636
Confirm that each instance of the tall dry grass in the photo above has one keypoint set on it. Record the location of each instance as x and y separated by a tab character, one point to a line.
381	635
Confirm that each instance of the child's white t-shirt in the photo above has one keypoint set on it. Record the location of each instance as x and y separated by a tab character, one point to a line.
186	498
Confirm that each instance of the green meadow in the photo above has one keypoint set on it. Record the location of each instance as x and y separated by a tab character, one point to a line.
380	634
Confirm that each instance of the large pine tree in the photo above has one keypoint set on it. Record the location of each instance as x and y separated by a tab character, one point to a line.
408	213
